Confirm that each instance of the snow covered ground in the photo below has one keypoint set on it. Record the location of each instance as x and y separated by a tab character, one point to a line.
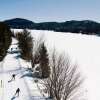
14	65
83	49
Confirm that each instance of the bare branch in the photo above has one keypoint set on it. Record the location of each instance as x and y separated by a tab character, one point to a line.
64	79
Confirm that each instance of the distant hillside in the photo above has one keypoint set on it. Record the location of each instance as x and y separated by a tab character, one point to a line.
85	26
19	23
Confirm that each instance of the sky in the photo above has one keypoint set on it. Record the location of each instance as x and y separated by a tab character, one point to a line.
50	10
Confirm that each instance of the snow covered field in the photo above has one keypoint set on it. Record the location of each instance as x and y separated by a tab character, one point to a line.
83	49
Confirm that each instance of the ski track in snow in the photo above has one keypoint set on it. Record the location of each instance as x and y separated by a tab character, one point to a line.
29	90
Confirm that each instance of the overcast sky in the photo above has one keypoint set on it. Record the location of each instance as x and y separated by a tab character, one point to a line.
50	10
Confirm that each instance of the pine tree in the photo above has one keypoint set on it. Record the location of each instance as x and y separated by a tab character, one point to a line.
5	39
44	61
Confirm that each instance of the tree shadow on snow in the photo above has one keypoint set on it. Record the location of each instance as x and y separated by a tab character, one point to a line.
17	56
13	98
9	81
27	75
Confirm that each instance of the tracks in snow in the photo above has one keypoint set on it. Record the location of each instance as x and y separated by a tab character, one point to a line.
29	90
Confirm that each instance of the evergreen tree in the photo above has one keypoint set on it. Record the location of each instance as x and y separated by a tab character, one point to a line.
25	44
5	39
44	61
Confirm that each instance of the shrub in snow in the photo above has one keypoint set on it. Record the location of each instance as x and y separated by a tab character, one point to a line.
64	79
5	39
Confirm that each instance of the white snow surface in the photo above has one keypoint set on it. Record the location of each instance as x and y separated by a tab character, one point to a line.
28	88
83	49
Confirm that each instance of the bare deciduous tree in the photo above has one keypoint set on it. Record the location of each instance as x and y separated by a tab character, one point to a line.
64	79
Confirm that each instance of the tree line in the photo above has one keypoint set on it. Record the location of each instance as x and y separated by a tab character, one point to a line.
84	27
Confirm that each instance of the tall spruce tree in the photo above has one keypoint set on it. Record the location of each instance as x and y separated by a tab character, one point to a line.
44	61
5	39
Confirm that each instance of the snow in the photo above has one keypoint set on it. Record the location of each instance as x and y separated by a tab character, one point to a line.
13	47
29	90
83	50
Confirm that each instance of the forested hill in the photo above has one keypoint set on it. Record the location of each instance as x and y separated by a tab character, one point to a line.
85	26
